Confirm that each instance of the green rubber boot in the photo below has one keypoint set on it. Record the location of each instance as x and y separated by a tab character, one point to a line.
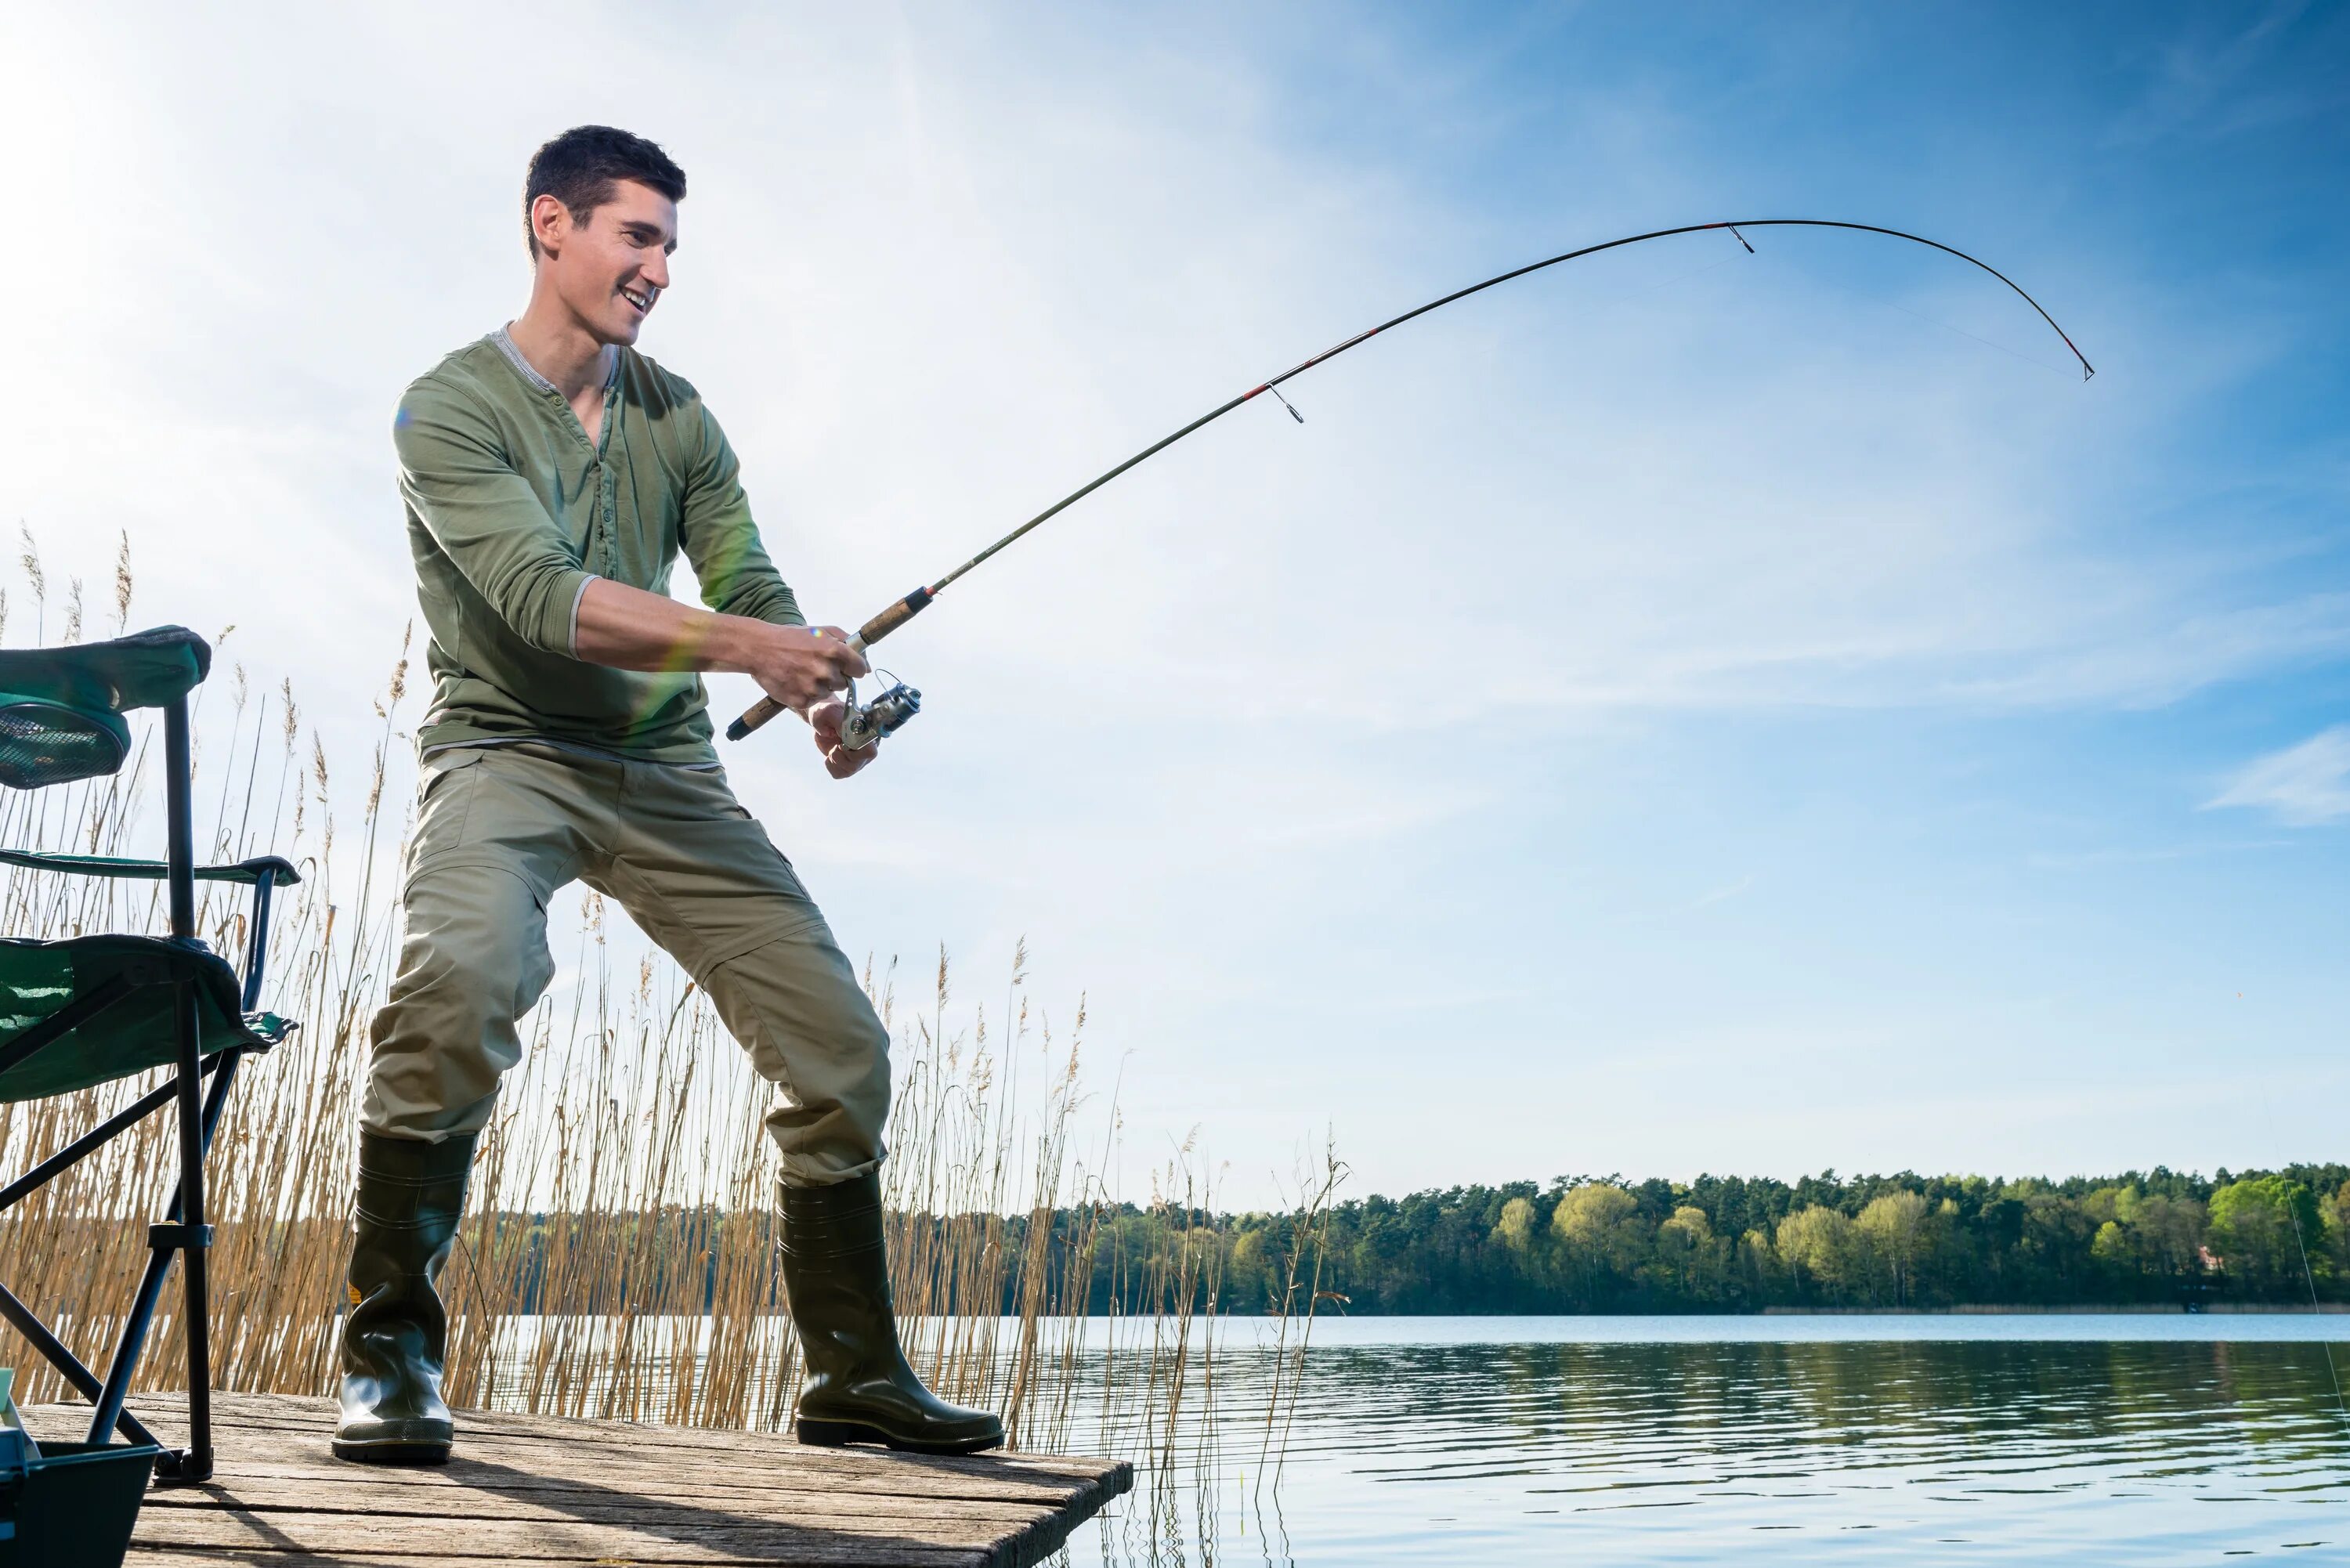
411	1197
858	1388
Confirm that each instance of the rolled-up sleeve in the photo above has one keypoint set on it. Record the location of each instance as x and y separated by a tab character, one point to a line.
736	575
455	476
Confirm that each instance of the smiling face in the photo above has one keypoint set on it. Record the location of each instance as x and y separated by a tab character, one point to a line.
609	265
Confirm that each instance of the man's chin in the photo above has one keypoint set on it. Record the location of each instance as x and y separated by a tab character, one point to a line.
617	323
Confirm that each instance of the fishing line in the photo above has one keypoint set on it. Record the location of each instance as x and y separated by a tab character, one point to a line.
2316	1307
1933	321
868	724
1852	293
1618	301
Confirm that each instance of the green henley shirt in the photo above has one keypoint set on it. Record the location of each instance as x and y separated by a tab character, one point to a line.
513	512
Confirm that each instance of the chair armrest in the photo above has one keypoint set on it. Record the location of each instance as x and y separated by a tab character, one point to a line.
279	870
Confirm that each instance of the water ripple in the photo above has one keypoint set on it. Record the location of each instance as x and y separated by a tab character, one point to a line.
2012	1449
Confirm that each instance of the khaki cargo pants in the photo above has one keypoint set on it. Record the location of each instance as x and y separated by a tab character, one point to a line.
501	829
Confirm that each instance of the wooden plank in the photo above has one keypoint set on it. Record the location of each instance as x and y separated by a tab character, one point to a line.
143	1557
527	1489
498	1463
300	1419
494	1464
286	1428
375	1499
471	1540
476	1475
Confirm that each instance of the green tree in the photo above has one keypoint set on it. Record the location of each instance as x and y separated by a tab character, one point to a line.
1515	1230
1761	1276
2263	1228
1601	1239
1691	1261
1816	1244
2170	1236
1892	1233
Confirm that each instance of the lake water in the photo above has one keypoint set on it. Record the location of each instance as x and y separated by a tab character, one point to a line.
1856	1441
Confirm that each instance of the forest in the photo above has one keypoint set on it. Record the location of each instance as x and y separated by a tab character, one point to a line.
1582	1244
1576	1244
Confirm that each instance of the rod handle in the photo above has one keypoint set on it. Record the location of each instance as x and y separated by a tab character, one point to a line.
896	616
871	632
756	714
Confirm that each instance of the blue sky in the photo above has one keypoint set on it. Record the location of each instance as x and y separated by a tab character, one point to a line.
1685	710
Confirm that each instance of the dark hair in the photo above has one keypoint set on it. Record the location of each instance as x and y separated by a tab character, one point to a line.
580	167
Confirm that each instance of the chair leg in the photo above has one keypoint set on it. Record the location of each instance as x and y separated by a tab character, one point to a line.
197	1464
185	1232
134	1340
192	1237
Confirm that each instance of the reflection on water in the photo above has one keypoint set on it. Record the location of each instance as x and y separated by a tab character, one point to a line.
1852	1450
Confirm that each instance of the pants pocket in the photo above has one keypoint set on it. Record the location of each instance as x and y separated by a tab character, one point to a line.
444	802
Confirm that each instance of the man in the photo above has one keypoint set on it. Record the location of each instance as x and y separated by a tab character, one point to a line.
552	474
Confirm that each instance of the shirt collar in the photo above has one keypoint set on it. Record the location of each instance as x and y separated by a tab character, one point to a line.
529	373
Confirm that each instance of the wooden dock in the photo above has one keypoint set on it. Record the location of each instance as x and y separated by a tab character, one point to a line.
541	1490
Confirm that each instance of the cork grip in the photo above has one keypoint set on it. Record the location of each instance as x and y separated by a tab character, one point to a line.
891	619
756	714
871	632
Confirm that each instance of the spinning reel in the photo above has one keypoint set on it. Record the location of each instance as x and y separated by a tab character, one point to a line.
885	715
866	721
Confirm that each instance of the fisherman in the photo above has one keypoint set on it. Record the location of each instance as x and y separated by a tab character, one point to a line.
551	474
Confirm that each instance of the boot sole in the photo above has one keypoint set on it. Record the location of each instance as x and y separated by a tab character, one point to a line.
392	1453
838	1434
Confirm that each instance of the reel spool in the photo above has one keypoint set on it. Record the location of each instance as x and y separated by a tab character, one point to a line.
885	715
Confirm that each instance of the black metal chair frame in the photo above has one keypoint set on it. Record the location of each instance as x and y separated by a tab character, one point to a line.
183	1231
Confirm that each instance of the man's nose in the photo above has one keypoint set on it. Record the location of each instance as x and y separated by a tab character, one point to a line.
656	271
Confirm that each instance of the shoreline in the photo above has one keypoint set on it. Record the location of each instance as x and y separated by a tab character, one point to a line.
2140	1309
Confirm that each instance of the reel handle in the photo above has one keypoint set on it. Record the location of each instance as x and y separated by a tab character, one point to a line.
871	632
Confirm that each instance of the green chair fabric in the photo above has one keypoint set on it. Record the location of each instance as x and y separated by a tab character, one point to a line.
145	670
61	708
44	744
136	1033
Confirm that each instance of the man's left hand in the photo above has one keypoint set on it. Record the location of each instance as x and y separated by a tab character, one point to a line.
839	761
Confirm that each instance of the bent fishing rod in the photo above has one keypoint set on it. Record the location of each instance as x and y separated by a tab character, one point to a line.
867	723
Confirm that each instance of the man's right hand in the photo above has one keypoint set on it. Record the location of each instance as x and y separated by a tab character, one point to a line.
802	666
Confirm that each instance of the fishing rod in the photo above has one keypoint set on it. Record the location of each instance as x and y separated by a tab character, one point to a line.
867	723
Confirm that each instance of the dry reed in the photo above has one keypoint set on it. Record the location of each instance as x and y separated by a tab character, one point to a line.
617	1255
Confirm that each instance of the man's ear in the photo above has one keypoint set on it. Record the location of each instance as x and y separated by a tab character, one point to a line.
550	223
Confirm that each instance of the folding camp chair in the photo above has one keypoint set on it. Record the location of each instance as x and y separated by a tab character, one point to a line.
91	1009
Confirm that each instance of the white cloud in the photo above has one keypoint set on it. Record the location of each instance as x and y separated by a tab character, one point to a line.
2305	785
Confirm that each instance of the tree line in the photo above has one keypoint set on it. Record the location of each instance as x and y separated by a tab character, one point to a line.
1598	1244
1605	1244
